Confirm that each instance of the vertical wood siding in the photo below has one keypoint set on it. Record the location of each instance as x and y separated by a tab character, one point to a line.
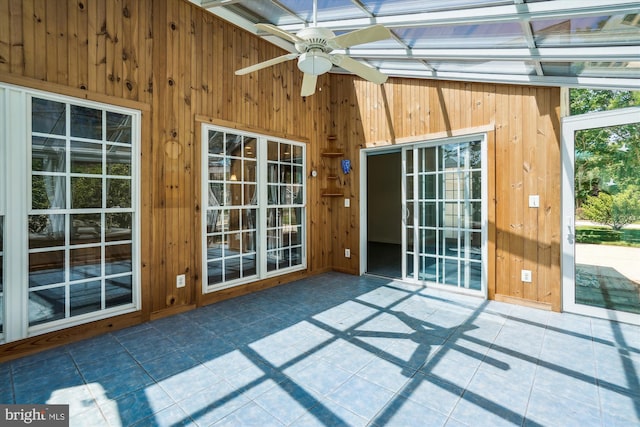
178	60
523	159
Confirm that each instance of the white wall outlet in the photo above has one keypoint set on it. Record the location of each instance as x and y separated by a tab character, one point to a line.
526	276
347	253
534	201
180	280
347	203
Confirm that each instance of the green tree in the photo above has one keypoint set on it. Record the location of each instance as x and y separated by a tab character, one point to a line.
591	100
605	155
615	210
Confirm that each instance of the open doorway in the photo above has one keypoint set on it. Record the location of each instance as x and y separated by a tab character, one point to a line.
601	203
384	220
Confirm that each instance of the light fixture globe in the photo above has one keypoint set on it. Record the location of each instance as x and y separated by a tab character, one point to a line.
314	62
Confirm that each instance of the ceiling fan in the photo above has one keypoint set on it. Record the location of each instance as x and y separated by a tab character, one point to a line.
315	44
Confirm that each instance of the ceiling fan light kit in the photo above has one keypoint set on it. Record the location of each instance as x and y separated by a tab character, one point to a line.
314	62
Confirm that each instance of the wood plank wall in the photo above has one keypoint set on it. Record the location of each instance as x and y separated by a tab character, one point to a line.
176	61
523	159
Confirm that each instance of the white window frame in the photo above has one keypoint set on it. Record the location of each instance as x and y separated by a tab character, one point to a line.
3	167
261	206
571	125
18	170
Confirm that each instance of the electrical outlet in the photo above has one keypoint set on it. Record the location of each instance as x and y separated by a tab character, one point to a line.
180	281
526	276
347	253
347	203
534	201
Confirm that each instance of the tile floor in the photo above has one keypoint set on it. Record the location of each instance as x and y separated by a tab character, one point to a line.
338	350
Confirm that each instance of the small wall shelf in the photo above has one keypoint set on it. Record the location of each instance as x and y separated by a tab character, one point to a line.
330	169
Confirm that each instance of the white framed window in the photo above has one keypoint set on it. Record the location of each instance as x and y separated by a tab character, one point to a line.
73	236
254	217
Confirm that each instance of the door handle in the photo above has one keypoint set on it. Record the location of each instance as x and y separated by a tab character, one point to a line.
571	232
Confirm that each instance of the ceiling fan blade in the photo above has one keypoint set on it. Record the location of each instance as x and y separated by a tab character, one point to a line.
308	84
364	71
266	64
280	33
365	35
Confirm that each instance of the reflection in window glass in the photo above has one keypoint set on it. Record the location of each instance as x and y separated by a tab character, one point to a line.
118	291
48	192
46	268
118	127
86	157
118	193
46	231
117	259
85	297
85	228
48	154
86	122
85	263
48	116
86	193
118	160
118	226
46	305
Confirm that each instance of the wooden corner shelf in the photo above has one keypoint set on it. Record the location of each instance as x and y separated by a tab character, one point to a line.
332	179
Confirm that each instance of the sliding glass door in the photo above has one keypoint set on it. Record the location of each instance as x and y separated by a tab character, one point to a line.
601	204
444	213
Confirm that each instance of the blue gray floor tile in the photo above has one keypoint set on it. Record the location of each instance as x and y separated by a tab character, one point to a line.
338	350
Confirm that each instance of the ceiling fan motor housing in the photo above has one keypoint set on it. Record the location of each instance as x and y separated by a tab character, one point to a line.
314	58
314	38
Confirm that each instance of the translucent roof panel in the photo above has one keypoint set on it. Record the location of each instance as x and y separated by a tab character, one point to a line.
592	69
263	11
588	31
477	35
385	7
584	43
327	9
488	67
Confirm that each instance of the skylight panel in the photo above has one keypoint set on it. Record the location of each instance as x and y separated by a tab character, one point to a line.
588	31
507	34
385	7
328	10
